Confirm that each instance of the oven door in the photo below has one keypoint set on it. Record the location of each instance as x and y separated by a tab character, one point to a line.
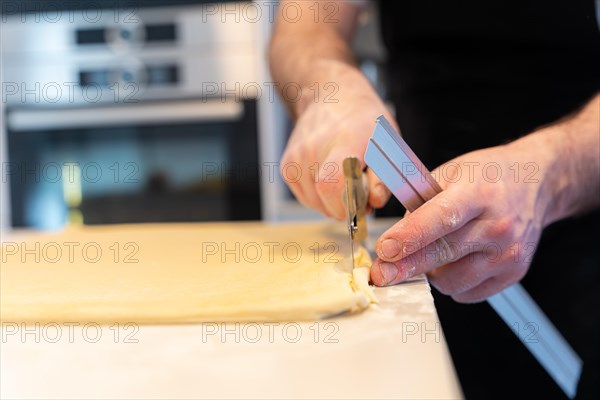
173	161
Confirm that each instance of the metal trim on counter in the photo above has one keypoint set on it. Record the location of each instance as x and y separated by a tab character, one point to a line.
124	114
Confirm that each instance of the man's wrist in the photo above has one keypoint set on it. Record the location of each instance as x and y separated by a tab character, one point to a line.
566	155
544	152
327	82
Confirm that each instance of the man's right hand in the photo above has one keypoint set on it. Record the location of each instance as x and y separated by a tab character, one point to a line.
327	131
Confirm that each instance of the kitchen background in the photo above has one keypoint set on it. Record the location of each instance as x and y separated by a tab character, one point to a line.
146	111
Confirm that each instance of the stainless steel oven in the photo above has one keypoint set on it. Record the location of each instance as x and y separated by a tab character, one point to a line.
148	162
139	114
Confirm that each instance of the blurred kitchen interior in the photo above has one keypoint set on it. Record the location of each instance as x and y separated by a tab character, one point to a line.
145	111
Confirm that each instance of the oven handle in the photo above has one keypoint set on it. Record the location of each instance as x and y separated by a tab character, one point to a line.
124	114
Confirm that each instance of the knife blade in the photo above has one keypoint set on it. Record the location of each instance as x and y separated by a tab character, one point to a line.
398	167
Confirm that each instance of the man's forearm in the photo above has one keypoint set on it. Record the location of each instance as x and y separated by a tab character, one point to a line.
313	49
570	150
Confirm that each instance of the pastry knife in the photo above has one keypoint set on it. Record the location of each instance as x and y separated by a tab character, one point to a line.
393	161
356	202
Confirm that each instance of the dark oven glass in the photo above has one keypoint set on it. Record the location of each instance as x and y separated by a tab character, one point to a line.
191	169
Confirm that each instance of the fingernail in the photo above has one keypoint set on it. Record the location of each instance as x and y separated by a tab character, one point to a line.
390	248
389	272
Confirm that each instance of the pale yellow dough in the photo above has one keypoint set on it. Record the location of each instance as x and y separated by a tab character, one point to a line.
184	273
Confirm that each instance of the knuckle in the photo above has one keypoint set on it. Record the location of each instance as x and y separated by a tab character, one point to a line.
411	263
290	170
449	215
445	251
500	228
409	233
415	239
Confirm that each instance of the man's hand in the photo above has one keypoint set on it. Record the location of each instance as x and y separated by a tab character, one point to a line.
495	203
493	225
325	134
336	110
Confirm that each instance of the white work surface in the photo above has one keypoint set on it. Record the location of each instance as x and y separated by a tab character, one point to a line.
395	349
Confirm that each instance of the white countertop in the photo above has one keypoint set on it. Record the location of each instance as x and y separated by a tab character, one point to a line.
395	349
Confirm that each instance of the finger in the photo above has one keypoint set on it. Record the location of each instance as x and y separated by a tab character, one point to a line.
379	194
330	185
471	238
493	285
390	273
384	273
462	275
484	290
297	177
442	215
311	201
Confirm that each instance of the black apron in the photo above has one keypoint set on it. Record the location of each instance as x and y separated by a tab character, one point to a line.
470	74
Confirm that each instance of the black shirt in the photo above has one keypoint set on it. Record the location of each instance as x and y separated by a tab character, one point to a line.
470	74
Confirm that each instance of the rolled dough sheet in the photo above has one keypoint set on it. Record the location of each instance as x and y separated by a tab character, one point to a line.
181	273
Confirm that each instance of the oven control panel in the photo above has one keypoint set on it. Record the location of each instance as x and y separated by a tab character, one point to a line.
113	55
